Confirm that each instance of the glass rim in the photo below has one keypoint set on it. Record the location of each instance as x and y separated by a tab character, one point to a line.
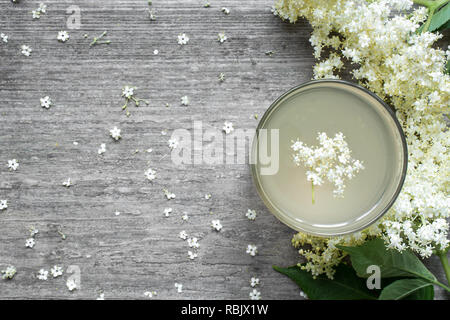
279	214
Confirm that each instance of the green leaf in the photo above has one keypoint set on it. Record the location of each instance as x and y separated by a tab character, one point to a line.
440	18
346	285
391	262
448	67
415	289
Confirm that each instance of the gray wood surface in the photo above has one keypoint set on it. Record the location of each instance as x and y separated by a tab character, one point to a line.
139	250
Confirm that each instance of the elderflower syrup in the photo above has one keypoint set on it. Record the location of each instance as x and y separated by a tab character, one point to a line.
374	143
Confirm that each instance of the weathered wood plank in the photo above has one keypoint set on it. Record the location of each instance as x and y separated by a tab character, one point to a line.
139	250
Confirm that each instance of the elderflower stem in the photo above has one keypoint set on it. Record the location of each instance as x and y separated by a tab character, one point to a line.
432	7
443	257
312	193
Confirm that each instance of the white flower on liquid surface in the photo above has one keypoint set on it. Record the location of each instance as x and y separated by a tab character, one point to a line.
330	161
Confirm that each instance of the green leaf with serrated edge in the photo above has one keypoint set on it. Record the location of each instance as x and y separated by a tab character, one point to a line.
415	289
440	18
391	262
346	285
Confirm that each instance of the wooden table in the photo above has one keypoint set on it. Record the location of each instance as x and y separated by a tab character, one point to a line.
139	250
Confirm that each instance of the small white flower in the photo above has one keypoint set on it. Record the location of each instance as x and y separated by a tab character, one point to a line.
254	282
216	225
56	271
29	243
228	127
173	143
302	294
33	231
150	150
167	212
183	39
101	296
163	132
169	195
185	100
3	204
192	255
63	36
251	214
67	183
46	102
252	250
128	92
221	37
9	272
42	7
179	287
117	213
71	284
225	10
4	37
26	50
150	174
36	14
193	242
13	164
255	295
155	52
115	133
185	217
207	196
102	149
183	235
42	275
149	294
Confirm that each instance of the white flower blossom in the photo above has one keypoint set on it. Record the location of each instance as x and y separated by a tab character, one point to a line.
254	282
179	287
215	224
42	275
13	164
150	174
167	212
46	102
4	37
192	255
255	295
173	143
183	235
128	92
183	39
227	127
251	214
331	161
225	10
169	195
221	37
102	149
252	250
3	204
71	284
115	133
150	294
185	100
63	36
29	243
26	50
193	242
9	272
67	183
56	271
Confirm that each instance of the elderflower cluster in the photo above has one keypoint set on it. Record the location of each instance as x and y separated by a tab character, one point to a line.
389	56
331	161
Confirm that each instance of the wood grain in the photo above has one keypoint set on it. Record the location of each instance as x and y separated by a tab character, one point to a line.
139	250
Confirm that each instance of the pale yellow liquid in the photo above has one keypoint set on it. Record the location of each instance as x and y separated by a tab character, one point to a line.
371	135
